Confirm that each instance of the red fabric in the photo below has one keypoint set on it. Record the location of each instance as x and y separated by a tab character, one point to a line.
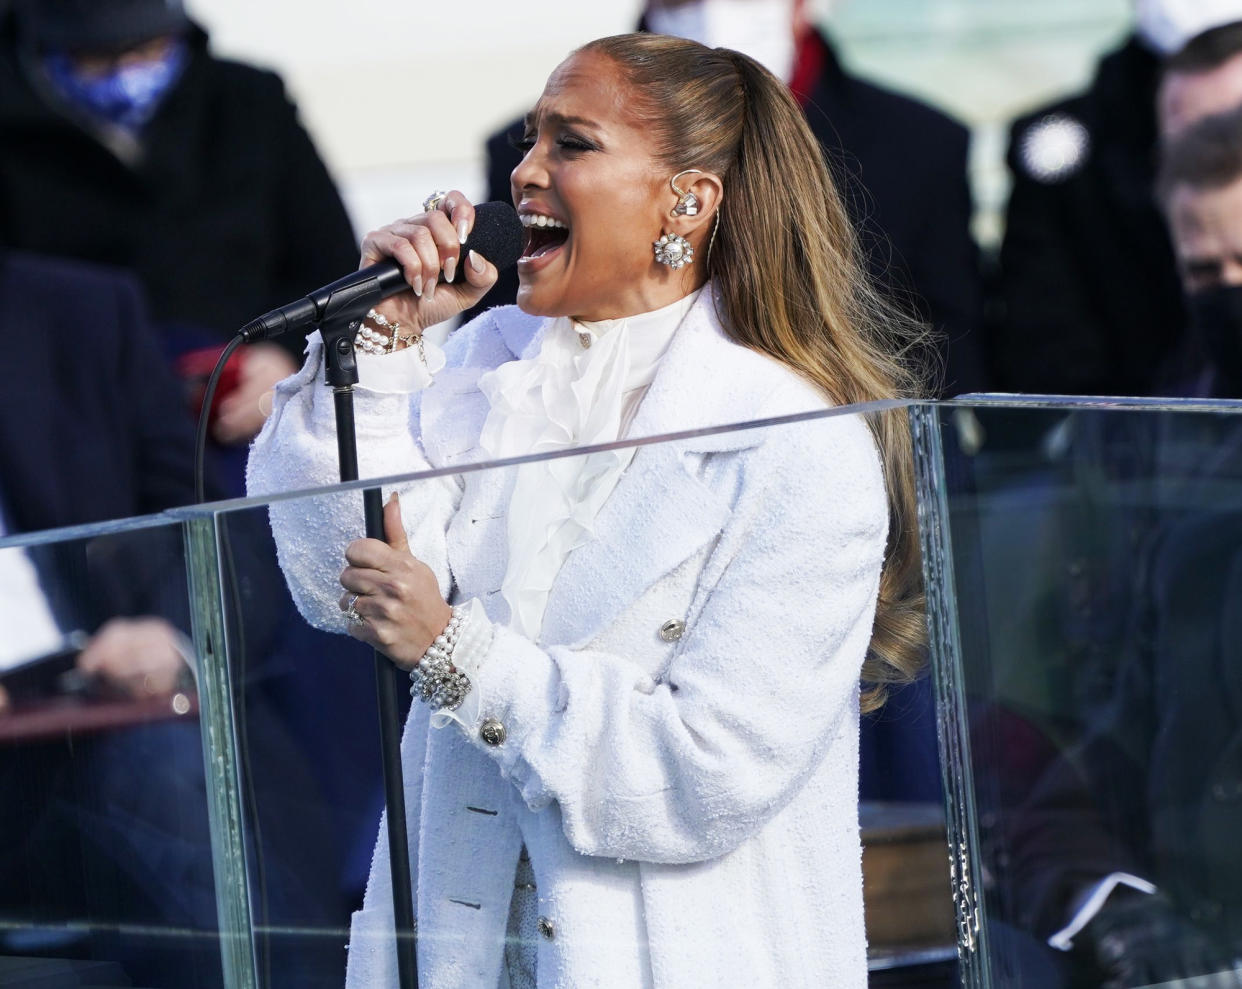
194	368
808	63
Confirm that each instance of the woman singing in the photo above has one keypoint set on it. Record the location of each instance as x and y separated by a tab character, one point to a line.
633	754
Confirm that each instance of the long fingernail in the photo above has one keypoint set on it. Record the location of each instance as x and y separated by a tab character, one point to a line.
450	269
463	230
476	262
429	289
417	285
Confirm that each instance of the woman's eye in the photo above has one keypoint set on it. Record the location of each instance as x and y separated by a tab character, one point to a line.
568	144
574	145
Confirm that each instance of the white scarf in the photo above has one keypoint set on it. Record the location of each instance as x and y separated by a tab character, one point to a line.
583	388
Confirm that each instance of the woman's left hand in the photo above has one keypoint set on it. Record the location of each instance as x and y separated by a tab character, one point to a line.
395	595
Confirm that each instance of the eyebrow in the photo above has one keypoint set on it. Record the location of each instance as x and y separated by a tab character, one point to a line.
560	118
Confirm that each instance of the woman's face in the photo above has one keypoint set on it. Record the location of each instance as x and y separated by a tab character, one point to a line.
590	172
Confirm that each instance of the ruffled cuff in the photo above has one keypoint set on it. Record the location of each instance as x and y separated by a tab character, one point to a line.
408	370
468	656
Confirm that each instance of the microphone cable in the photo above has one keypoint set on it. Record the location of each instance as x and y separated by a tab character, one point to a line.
204	416
250	806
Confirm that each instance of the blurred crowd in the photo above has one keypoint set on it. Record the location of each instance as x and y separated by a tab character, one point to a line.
154	197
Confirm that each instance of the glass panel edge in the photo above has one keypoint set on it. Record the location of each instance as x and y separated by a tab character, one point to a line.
952	728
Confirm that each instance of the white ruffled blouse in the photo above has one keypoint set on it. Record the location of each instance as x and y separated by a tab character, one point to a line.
582	389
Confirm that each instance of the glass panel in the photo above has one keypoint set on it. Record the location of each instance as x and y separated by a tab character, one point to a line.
1083	561
645	728
106	851
302	733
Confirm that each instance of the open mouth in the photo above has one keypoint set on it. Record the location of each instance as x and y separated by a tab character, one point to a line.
543	235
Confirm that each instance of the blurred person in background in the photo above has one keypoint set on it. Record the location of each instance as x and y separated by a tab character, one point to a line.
1124	851
127	142
914	222
105	849
1200	189
124	140
1201	79
92	427
1091	298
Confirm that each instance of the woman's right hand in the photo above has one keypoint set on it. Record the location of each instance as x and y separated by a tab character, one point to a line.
424	245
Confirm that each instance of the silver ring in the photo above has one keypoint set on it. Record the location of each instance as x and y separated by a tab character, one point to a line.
351	613
432	202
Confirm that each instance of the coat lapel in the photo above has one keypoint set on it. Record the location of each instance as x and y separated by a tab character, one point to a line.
658	515
660	512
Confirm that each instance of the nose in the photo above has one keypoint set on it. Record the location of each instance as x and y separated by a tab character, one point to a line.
530	172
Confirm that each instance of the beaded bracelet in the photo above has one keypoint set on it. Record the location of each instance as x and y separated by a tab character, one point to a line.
435	680
374	342
370	341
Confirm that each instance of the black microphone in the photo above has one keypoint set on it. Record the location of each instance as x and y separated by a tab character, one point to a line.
497	235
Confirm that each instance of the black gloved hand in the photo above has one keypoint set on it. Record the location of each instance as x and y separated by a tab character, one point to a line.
1141	940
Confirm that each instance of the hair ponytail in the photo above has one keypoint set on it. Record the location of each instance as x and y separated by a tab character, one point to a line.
787	266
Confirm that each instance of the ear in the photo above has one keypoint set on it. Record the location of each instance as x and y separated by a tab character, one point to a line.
708	190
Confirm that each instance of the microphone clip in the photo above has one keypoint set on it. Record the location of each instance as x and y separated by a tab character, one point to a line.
340	364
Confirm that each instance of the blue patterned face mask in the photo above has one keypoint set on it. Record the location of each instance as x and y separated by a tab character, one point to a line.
126	95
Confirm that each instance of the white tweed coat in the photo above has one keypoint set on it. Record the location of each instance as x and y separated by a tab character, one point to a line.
690	808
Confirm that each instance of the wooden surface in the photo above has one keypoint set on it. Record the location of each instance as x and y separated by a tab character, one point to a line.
906	887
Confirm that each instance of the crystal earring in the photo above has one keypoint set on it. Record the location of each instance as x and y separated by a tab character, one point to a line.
687	202
673	250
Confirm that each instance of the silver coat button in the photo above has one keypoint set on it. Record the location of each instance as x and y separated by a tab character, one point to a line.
546	928
672	630
492	732
585	340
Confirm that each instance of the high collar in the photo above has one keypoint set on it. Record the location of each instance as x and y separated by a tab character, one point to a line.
670	316
704	380
650	332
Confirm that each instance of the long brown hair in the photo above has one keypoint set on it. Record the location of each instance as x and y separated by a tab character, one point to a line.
786	265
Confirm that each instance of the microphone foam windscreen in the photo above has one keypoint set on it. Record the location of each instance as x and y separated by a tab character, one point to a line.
497	233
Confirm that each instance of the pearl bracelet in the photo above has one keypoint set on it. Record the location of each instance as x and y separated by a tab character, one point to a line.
435	680
370	341
374	342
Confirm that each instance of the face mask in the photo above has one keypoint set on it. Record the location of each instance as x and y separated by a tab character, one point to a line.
1216	318
762	29
128	95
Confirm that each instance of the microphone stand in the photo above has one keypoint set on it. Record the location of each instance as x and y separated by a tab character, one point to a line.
338	328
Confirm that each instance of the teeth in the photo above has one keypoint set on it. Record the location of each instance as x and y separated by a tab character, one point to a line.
539	220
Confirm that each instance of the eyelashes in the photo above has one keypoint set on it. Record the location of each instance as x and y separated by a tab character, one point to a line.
568	144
